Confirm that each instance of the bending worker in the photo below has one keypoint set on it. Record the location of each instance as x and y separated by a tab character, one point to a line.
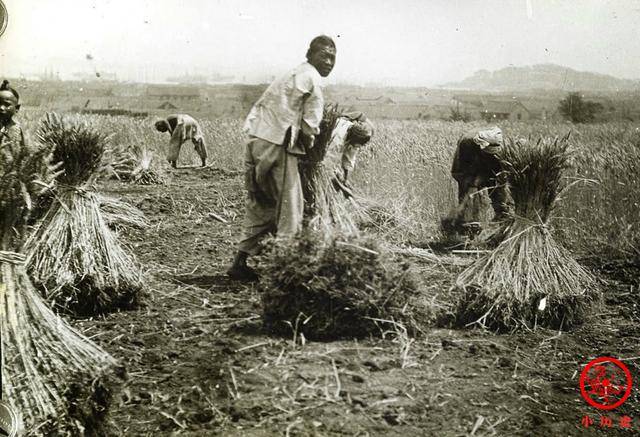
325	181
182	127
476	166
291	107
352	131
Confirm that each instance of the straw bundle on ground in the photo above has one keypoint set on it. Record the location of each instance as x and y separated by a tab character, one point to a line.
327	290
73	256
328	204
58	381
528	279
134	164
77	260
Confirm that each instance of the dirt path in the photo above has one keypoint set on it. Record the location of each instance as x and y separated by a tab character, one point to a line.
199	364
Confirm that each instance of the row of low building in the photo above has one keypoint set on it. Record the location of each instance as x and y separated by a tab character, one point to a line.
137	99
444	105
236	100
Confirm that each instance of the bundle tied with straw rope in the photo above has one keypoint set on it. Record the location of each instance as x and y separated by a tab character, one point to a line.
328	203
58	381
73	256
528	279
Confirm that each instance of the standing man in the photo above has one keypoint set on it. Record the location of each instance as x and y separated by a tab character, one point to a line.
476	165
290	108
182	127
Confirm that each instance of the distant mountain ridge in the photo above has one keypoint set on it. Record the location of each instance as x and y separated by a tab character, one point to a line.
545	77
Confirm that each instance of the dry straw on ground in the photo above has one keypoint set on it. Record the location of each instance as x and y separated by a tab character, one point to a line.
60	382
118	213
337	287
528	279
73	256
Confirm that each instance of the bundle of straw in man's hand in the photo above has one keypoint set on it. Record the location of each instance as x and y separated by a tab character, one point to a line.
330	204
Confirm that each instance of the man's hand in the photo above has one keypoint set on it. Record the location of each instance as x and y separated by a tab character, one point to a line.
342	188
305	141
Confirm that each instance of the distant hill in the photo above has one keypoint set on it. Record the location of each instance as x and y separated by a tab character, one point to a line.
543	77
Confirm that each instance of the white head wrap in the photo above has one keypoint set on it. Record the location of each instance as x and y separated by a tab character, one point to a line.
491	136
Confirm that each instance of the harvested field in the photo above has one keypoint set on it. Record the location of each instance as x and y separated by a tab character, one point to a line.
199	362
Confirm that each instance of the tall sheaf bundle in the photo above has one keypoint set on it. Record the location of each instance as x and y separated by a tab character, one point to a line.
58	381
73	255
326	206
528	279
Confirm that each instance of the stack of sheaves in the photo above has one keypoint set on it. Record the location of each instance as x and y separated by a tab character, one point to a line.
59	382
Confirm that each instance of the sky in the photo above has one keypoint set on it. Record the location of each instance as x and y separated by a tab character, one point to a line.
401	43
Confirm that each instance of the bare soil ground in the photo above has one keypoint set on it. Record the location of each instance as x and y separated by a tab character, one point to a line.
199	363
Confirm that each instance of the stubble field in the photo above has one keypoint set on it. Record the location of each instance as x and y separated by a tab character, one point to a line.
199	362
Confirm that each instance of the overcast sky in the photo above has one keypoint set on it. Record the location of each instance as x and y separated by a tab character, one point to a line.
402	42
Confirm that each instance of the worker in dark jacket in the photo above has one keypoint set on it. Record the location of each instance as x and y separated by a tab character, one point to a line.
477	166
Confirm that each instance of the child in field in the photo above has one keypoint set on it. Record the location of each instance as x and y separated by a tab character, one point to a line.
15	147
11	134
182	127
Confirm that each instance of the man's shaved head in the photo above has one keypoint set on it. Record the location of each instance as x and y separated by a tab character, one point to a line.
318	43
322	54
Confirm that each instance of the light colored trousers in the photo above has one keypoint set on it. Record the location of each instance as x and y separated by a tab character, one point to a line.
182	134
275	202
